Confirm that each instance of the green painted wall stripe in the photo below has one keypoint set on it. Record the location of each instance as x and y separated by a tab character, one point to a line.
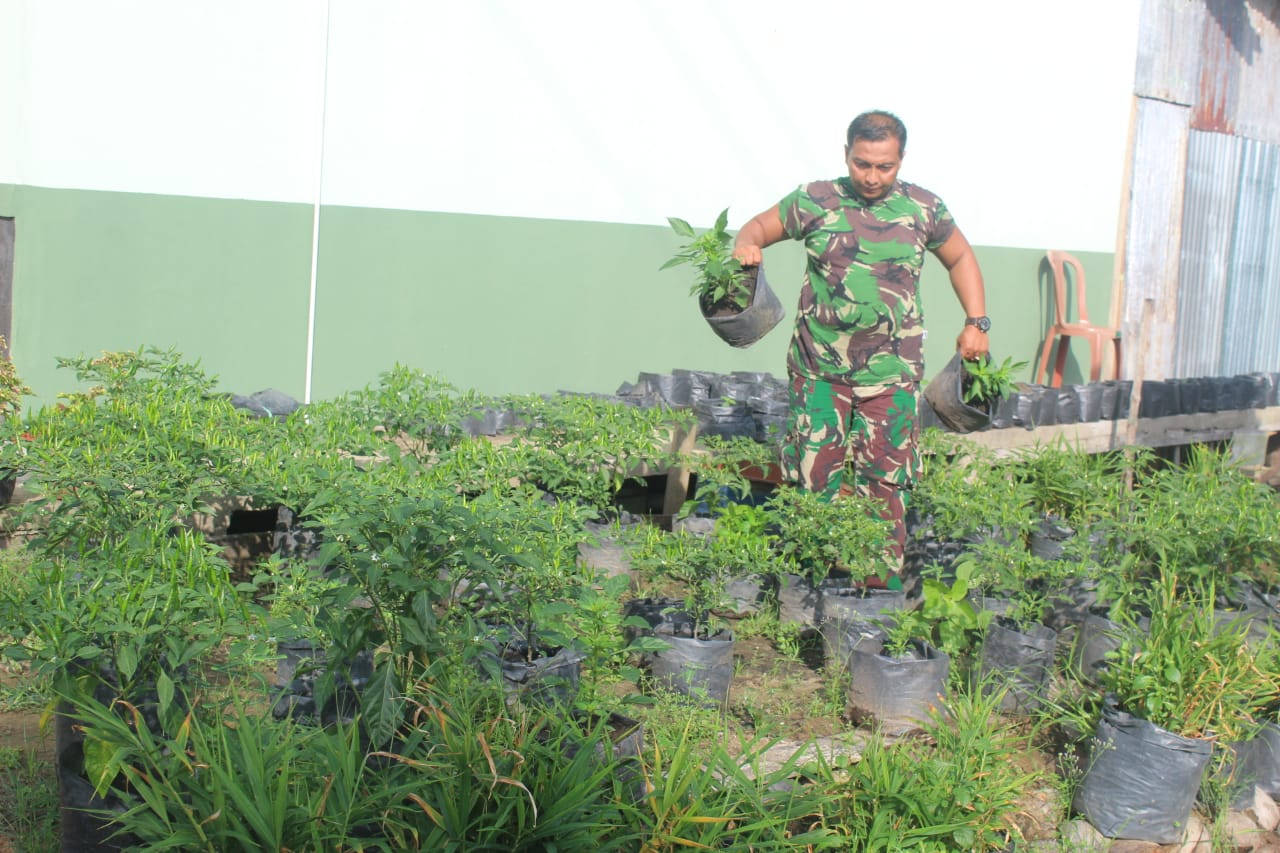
493	303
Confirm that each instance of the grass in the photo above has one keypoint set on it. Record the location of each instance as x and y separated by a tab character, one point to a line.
28	801
19	692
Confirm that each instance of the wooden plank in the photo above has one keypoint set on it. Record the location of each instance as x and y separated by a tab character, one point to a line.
1149	432
1116	313
1153	253
678	475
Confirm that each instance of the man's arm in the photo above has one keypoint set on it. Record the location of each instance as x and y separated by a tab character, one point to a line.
966	280
764	229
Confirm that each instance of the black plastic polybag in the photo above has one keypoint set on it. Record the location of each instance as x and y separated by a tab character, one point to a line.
1140	780
898	695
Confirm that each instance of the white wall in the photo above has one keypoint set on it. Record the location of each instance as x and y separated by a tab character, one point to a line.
1017	112
183	98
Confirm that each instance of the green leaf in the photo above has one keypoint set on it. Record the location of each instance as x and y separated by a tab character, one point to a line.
684	229
722	221
164	691
97	764
382	704
127	661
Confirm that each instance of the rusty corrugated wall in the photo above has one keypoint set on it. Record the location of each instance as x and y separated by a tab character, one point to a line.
1204	196
1229	281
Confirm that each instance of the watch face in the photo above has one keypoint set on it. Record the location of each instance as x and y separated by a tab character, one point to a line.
983	323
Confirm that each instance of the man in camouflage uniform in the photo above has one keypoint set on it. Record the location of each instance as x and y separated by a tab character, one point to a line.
856	357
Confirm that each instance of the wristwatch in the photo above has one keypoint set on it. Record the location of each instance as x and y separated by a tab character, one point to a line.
983	323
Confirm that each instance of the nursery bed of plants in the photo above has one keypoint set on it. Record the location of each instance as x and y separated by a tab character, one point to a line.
444	640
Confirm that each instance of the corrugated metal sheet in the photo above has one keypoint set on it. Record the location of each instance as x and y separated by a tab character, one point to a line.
1239	51
1252	325
1224	35
1208	214
1229	277
1205	250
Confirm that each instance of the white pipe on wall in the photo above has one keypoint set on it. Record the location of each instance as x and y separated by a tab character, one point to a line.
315	209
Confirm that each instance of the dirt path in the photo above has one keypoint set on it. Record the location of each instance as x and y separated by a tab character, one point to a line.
21	730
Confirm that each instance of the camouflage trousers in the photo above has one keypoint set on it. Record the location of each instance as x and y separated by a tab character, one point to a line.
844	440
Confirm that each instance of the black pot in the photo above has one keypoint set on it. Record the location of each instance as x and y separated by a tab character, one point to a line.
1256	763
1070	603
81	830
547	678
1047	407
727	420
1107	400
623	747
296	657
1096	637
1068	407
701	669
797	600
1026	406
1049	538
1188	395
297	697
1018	661
897	695
1260	390
757	320
1006	410
1089	402
1124	396
1140	781
1159	399
1240	393
945	393
748	594
849	617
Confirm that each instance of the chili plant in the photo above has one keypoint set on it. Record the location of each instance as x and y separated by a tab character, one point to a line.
584	448
405	558
146	444
1206	517
718	275
532	575
12	388
986	383
964	491
1186	672
815	536
945	618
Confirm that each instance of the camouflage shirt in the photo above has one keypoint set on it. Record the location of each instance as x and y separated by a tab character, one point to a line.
859	320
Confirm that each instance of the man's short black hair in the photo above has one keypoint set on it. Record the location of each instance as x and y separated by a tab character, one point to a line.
877	126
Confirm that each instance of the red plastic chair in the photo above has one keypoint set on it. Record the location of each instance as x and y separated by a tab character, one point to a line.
1064	327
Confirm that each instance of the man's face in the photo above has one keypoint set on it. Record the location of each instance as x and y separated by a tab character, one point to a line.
873	166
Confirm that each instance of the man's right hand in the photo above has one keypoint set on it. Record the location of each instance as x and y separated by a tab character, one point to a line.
748	255
764	229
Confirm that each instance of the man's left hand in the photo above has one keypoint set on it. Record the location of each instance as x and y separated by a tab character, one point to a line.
972	343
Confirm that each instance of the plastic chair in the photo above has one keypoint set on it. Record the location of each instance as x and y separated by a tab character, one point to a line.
1064	327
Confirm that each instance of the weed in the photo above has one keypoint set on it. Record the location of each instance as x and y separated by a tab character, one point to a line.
831	700
27	693
956	791
670	716
28	800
